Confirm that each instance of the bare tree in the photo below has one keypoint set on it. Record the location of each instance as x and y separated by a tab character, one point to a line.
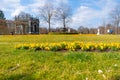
115	16
3	25
80	29
43	30
93	31
46	13
63	14
83	30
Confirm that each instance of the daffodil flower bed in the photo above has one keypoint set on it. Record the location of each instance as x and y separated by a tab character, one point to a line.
70	46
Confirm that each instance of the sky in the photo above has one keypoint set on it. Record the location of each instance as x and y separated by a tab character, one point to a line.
87	13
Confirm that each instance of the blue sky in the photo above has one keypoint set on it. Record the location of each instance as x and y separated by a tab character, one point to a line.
88	13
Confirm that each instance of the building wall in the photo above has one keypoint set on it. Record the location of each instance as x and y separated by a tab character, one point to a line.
31	26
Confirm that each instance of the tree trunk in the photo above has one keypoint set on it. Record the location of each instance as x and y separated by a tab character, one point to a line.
117	28
64	25
49	22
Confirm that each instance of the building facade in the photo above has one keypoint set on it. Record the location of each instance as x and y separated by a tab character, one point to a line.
26	25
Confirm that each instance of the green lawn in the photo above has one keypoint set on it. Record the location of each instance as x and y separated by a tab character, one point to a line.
58	38
46	65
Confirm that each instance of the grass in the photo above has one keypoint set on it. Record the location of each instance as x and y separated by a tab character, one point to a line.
48	65
57	38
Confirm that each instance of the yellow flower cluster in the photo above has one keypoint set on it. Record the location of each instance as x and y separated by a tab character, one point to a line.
72	46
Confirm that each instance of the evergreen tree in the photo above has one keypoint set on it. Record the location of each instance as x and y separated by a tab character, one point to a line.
2	15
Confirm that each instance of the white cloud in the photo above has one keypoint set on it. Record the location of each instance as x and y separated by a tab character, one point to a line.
14	7
39	3
36	4
84	15
18	11
61	1
11	7
88	16
9	4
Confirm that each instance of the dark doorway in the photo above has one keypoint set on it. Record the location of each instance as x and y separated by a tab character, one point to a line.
35	28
